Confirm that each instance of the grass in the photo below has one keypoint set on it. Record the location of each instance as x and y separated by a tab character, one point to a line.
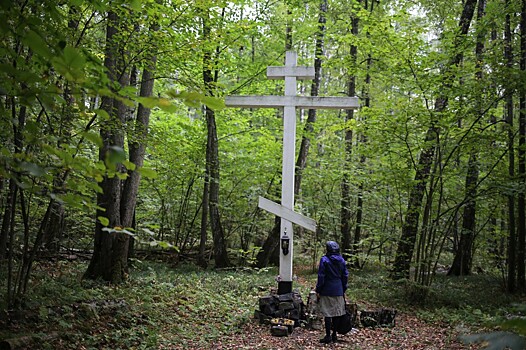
161	306
158	306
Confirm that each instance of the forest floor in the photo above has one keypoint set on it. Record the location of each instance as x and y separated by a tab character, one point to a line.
410	333
162	307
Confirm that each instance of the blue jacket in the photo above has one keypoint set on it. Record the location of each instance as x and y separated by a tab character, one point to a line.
332	275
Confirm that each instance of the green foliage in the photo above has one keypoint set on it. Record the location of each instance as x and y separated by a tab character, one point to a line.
165	306
245	257
53	79
195	100
516	325
159	307
474	302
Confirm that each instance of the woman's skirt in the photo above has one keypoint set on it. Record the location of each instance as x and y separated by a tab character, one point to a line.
332	306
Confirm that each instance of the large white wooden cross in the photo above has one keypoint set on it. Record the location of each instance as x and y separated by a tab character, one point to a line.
289	102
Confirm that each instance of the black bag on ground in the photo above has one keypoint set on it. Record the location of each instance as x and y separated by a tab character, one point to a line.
343	324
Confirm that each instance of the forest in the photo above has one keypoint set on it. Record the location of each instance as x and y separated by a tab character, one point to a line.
127	184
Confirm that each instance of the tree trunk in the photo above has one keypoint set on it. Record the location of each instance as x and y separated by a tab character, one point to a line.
220	247
212	155
462	262
14	192
521	278
118	199
461	265
362	139
6	219
109	260
406	243
301	162
10	235
137	144
271	245
345	201
54	228
10	208
512	238
202	260
29	255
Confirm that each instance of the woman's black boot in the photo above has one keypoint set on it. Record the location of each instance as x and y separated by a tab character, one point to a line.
328	326
334	337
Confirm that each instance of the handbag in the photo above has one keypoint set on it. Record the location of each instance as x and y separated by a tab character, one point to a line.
343	324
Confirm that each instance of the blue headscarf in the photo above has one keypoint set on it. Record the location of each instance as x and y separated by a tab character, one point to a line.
332	247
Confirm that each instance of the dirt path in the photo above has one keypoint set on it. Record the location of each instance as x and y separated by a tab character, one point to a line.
410	333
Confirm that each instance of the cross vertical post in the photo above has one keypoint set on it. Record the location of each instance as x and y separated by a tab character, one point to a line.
287	180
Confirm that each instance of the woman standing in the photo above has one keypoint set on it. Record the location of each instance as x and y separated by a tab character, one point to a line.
331	287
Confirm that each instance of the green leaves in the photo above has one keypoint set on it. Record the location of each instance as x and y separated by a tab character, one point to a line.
191	99
135	4
102	114
70	64
34	41
103	220
114	156
119	229
148	173
159	102
196	99
32	169
93	137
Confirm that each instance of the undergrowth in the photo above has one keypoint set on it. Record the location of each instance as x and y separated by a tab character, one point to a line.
473	302
158	307
162	307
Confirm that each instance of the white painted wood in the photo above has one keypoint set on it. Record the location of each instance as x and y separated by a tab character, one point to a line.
287	214
303	102
288	166
301	73
285	261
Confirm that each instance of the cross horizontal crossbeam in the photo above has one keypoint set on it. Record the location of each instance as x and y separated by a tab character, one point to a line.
301	73
303	102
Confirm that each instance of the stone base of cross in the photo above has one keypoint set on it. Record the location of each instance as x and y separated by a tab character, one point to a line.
289	103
